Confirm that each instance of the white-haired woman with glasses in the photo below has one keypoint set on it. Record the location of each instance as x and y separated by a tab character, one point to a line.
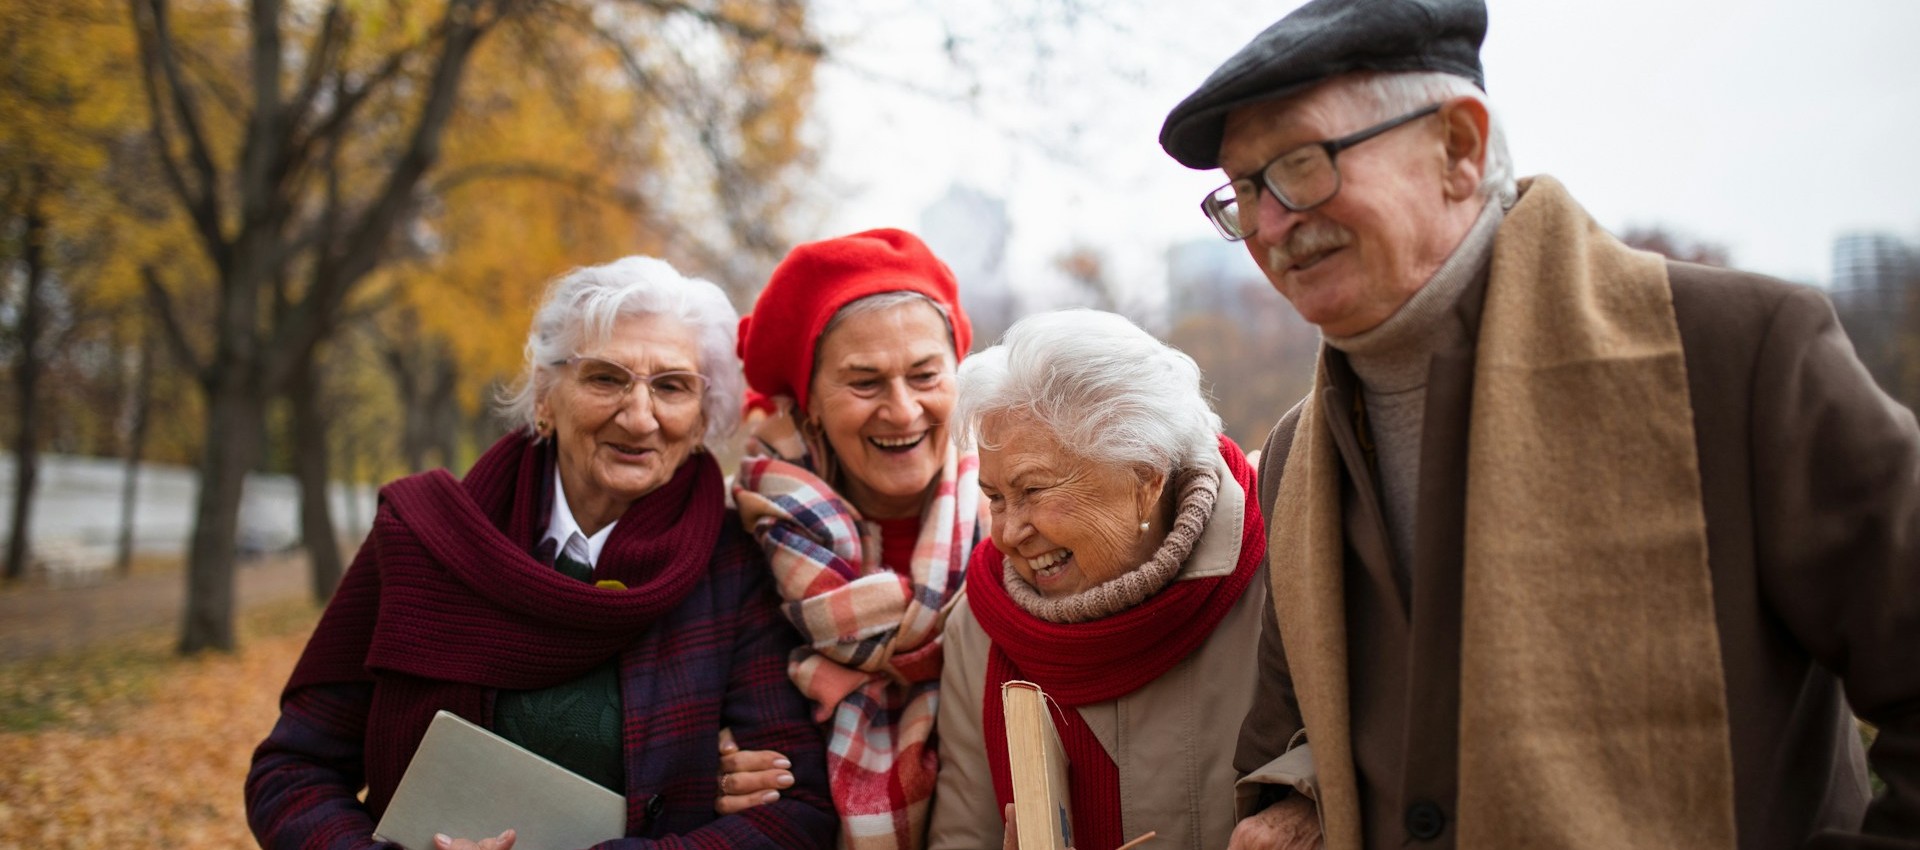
1124	579
584	592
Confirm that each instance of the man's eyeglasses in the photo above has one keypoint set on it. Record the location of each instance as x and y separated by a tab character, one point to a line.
608	382
1300	179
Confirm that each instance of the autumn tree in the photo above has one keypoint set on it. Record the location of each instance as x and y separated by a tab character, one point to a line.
303	180
1675	245
548	175
62	72
1255	354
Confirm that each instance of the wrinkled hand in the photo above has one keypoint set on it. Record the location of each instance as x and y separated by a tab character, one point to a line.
1291	824
503	841
748	778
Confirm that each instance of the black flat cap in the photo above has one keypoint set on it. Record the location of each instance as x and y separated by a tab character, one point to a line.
1322	39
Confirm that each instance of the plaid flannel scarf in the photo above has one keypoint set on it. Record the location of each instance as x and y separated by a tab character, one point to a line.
872	660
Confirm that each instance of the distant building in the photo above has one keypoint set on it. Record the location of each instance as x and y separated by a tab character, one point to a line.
1210	276
1872	269
969	230
1217	277
1876	293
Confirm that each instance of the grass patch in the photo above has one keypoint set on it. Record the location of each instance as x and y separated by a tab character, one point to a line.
86	688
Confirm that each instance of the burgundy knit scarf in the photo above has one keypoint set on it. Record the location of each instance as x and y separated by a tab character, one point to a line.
446	600
1084	663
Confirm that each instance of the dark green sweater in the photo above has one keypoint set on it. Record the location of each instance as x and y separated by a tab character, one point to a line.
575	724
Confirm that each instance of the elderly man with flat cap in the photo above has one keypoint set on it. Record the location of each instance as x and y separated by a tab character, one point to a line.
1571	546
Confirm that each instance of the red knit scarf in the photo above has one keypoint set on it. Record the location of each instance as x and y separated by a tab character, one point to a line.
446	600
1085	663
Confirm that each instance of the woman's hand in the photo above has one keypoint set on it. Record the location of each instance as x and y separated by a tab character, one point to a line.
748	778
503	841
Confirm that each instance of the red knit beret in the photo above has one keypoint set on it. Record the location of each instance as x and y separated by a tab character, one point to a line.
816	279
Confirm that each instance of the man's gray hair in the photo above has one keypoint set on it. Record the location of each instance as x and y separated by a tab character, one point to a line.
1390	95
581	307
1107	390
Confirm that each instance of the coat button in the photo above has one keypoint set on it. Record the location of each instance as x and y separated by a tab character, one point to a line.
655	806
1425	821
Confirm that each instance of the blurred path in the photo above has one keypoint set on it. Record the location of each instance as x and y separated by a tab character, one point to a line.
38	620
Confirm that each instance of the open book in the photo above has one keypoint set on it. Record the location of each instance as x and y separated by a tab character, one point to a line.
1043	813
467	782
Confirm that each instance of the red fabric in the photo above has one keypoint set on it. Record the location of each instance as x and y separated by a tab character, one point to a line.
897	539
752	401
1084	663
818	278
461	606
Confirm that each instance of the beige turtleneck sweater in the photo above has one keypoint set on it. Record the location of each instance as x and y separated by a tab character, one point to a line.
1391	361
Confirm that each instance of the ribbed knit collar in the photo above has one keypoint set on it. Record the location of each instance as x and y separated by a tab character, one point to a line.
1199	490
1392	357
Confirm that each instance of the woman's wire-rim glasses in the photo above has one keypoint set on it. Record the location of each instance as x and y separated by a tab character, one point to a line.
610	382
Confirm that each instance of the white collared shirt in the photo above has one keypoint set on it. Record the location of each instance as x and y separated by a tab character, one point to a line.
564	529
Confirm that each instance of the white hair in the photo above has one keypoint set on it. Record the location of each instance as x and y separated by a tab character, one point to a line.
1106	389
1389	95
881	302
581	307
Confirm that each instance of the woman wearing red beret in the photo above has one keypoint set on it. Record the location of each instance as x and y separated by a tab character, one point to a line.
866	512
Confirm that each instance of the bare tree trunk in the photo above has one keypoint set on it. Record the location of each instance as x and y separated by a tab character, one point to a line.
423	378
413	428
317	532
350	463
235	389
138	418
443	409
26	446
252	223
234	413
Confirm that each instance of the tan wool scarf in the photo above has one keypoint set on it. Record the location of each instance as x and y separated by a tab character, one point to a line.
1592	710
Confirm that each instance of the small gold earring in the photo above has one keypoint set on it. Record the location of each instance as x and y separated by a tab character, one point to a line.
540	427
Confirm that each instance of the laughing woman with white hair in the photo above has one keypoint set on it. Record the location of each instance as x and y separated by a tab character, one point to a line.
584	592
1124	578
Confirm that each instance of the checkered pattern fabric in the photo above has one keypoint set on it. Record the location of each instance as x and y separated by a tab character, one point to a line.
871	659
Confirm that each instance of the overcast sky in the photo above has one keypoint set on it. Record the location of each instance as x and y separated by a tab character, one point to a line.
1766	126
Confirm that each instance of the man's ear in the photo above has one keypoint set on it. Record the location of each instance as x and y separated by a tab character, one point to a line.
1464	125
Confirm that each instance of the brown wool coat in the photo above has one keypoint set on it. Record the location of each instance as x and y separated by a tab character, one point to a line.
1811	490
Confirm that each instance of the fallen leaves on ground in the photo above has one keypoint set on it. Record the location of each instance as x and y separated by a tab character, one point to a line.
160	761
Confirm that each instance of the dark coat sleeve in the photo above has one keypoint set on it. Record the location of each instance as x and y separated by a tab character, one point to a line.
765	712
1837	501
1275	715
303	790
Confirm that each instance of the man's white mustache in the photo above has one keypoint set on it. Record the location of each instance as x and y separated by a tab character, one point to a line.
1306	242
